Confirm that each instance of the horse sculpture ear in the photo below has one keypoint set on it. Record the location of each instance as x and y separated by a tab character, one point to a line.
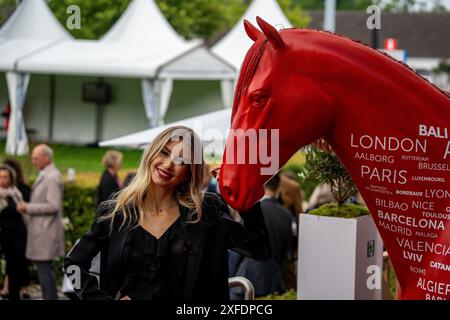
252	31
271	33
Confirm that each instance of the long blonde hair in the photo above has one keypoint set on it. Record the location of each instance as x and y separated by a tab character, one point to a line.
189	193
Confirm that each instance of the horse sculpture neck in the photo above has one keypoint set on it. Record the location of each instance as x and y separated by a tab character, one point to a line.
369	90
390	128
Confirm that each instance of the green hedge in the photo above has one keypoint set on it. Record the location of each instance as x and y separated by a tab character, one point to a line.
78	212
78	215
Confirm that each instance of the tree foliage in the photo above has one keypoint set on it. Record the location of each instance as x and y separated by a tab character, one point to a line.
387	5
96	16
294	13
191	19
201	18
413	5
6	8
340	4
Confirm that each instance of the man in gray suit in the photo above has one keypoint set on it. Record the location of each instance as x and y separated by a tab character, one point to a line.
43	215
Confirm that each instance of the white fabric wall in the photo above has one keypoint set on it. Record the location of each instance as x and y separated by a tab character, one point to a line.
75	120
192	98
3	96
37	107
126	113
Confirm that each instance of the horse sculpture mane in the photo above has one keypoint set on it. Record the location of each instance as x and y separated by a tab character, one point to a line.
447	94
388	125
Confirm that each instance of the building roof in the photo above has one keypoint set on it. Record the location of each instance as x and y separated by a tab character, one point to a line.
424	35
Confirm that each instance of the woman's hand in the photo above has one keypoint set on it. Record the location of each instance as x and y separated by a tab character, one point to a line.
125	298
21	207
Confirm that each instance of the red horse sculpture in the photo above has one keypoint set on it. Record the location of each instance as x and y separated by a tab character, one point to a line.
389	127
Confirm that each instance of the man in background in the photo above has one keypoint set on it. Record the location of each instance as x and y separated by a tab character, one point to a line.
269	276
43	214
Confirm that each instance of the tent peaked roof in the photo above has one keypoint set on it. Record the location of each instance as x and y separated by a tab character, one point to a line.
143	22
33	19
236	43
31	28
139	43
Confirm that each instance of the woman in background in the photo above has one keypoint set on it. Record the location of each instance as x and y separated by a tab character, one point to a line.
13	234
109	181
292	198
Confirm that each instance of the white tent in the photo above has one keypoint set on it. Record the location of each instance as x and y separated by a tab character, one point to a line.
138	44
235	44
31	28
142	45
212	128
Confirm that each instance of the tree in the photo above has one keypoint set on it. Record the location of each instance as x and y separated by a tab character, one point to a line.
6	8
294	13
340	4
193	18
96	16
413	5
325	167
399	5
201	18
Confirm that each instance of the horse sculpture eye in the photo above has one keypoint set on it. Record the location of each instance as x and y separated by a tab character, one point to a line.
258	99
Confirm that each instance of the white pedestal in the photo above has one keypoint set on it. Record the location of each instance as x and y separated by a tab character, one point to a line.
337	258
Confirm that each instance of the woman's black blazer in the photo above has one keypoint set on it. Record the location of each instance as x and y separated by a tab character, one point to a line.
207	261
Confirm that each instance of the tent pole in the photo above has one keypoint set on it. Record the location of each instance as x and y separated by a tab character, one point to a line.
99	119
52	109
99	125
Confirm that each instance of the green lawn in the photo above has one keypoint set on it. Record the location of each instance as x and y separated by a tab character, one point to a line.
85	160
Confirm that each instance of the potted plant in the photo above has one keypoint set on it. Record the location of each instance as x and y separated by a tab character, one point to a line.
340	252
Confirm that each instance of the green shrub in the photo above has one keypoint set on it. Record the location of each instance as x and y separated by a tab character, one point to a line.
325	167
79	211
344	211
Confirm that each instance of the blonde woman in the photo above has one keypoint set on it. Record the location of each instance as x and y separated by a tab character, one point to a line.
109	181
162	238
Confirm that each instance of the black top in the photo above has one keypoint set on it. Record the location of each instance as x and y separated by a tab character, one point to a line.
25	190
155	268
107	187
268	276
279	227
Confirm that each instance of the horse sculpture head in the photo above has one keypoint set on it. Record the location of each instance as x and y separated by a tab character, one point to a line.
267	85
388	125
